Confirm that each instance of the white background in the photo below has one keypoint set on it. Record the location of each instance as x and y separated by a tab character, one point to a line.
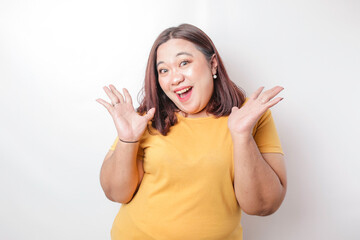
55	56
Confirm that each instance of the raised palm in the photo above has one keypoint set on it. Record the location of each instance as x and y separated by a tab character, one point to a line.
129	124
242	120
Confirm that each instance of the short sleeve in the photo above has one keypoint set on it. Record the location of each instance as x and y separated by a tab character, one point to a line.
140	152
266	136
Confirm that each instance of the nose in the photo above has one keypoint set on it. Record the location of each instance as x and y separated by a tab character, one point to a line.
177	78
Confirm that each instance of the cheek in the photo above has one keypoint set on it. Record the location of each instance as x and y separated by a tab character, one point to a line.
207	79
163	84
202	71
208	90
190	72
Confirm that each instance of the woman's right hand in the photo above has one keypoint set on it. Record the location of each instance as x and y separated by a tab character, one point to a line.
129	124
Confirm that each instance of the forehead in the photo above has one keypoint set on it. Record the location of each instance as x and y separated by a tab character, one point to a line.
172	47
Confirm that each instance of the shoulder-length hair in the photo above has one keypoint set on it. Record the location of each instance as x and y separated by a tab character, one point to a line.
225	95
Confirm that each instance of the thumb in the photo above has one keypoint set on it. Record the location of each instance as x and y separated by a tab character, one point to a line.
150	114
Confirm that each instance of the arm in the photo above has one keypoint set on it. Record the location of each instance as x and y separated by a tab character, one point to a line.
121	173
260	179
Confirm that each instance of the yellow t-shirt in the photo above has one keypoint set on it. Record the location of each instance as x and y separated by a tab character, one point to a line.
187	190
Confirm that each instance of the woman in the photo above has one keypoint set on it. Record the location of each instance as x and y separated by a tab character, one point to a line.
194	154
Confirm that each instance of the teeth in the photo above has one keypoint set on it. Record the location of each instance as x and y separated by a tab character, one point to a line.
184	90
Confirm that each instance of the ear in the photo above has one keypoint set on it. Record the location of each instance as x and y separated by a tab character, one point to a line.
214	64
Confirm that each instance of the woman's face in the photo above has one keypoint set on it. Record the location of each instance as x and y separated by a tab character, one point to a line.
186	76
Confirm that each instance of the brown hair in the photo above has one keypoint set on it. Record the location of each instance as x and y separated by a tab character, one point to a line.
225	96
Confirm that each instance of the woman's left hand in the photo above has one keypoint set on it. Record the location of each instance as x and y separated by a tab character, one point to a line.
242	120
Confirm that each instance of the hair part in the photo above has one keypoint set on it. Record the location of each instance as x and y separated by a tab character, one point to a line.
226	93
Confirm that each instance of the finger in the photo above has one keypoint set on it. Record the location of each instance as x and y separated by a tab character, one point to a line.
234	109
107	105
274	102
128	98
117	93
257	93
150	114
113	98
274	91
270	94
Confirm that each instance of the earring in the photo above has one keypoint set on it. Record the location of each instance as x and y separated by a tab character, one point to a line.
214	76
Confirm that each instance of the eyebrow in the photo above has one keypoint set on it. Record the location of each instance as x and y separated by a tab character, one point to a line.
179	54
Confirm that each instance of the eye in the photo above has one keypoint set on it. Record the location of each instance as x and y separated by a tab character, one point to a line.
183	63
161	71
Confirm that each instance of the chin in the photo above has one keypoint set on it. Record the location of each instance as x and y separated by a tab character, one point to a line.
193	112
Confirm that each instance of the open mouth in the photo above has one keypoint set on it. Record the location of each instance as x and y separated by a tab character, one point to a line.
184	94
